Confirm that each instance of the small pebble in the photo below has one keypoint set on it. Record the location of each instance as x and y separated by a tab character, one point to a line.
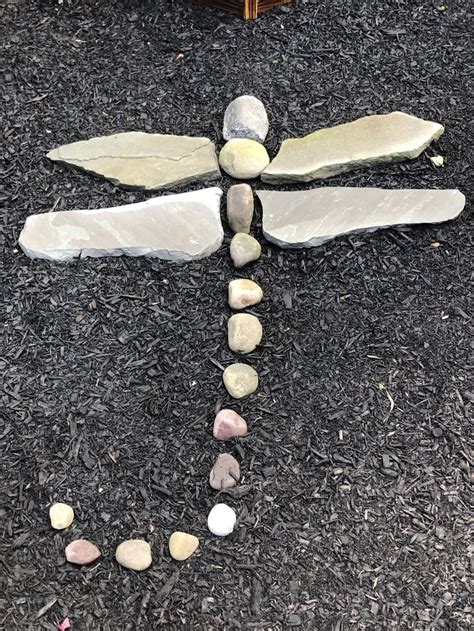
244	249
134	554
225	473
240	380
243	159
182	545
438	161
221	520
243	293
244	333
240	207
61	516
228	424
81	552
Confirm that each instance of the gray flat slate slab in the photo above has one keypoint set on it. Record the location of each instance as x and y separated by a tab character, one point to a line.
139	160
299	219
175	227
365	142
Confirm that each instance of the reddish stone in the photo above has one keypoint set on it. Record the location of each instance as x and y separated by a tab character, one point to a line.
225	473
228	424
82	552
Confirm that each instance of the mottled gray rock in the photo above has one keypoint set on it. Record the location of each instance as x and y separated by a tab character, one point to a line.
243	159
299	219
136	159
240	207
225	473
174	227
362	143
240	380
244	333
245	117
244	249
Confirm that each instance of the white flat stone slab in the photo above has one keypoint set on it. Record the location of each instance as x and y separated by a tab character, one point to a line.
300	219
174	227
362	143
136	159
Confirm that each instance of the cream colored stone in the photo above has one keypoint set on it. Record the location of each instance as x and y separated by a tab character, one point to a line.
362	143
243	159
244	333
298	219
243	293
438	161
175	227
240	380
134	554
61	516
139	160
182	545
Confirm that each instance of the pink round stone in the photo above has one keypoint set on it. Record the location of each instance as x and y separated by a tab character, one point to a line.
229	424
81	552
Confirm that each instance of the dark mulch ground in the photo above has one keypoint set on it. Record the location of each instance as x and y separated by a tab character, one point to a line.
353	516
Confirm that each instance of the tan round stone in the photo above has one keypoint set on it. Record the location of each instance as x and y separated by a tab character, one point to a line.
182	545
134	554
61	516
244	293
243	158
240	380
244	249
244	333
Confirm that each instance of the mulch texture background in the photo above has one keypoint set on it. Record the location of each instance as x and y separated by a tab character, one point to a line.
352	515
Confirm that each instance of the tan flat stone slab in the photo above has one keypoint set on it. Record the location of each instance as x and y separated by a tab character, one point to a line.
136	159
299	219
175	227
362	143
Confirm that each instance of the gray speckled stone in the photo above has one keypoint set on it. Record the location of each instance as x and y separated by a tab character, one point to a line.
240	207
245	117
299	219
136	159
174	227
362	143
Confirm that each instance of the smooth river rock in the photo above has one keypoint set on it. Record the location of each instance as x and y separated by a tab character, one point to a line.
240	380
134	554
299	219
243	159
225	473
221	520
182	545
244	333
244	249
245	117
136	159
240	207
243	293
61	515
81	552
175	227
362	143
228	424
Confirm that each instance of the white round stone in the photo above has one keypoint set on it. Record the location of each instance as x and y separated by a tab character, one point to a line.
221	520
61	516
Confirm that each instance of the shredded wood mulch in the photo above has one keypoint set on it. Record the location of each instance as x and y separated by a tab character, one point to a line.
354	502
